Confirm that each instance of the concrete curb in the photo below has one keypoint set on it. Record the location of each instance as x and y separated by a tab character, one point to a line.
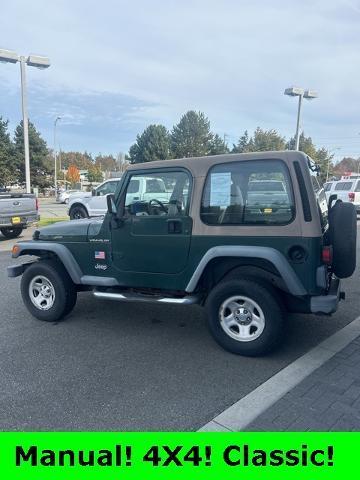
246	410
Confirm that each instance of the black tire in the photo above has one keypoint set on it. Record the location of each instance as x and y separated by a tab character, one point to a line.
11	232
78	212
270	308
342	236
64	289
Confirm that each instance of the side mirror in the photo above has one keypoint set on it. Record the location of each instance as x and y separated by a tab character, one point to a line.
332	198
111	206
93	192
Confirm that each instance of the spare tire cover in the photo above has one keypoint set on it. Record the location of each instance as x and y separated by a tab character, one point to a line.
342	235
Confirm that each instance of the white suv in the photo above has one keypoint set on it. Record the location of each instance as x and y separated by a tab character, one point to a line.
345	190
141	189
92	204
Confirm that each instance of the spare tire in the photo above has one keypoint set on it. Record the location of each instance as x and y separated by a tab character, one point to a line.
342	236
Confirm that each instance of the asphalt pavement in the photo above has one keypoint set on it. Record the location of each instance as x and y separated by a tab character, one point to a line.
48	208
114	366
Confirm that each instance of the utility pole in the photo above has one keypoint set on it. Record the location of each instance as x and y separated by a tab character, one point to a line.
55	169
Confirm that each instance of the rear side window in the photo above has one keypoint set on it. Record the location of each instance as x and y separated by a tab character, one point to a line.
358	187
327	187
343	186
248	193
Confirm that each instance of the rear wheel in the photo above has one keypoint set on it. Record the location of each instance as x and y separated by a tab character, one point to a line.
78	212
245	317
47	290
11	232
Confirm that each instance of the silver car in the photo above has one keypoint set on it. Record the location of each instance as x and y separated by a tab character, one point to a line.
63	197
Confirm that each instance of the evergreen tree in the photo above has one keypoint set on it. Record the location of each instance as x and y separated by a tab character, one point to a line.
218	145
152	144
7	160
191	137
41	169
261	141
321	156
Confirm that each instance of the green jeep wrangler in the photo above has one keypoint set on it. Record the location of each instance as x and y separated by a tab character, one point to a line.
248	236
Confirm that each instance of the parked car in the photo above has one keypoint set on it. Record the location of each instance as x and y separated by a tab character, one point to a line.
267	192
64	196
247	266
17	211
346	191
140	190
328	186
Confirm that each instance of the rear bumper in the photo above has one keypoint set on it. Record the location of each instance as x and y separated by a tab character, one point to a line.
5	222
327	303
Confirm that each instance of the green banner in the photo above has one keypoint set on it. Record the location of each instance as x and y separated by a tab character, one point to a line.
87	456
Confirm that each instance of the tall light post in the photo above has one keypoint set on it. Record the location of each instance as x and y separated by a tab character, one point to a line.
301	93
8	56
55	172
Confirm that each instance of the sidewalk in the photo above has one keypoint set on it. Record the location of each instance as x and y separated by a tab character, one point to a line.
327	400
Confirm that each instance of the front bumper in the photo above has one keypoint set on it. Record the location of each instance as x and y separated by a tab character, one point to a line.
327	303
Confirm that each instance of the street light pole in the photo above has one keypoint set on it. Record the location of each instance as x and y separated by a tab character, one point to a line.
55	170
8	56
25	123
297	135
301	93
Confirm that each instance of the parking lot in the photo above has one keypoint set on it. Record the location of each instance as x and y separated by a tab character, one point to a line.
114	366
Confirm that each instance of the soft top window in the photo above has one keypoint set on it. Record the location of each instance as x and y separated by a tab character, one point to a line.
247	193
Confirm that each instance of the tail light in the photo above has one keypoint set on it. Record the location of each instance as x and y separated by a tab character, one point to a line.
351	196
327	255
37	204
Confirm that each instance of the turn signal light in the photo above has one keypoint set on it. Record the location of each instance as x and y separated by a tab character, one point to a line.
327	255
15	250
37	203
351	196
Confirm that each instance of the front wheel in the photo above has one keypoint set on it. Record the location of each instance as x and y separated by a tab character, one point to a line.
245	317
11	232
78	212
47	290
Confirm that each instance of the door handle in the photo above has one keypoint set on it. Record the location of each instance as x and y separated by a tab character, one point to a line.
174	226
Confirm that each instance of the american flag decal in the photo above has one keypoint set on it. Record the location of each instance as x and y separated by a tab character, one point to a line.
100	255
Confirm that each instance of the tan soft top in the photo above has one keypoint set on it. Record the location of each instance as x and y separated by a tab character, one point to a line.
199	165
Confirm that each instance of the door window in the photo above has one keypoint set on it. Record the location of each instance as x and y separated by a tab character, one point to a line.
158	194
108	187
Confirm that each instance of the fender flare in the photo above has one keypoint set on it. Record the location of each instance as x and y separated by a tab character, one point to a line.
64	254
272	255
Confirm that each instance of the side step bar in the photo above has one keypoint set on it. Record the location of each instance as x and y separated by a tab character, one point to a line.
138	297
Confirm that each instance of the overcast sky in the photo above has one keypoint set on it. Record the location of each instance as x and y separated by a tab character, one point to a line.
118	66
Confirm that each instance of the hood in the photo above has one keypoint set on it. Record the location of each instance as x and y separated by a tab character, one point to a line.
70	231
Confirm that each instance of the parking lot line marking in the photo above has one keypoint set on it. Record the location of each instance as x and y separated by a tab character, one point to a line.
247	409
